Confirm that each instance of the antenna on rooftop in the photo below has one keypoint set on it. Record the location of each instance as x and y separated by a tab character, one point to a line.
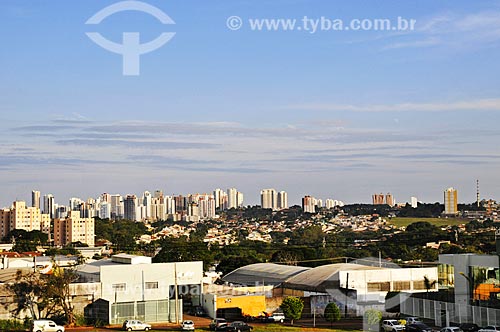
477	192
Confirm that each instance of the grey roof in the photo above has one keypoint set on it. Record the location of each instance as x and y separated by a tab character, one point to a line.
267	273
322	278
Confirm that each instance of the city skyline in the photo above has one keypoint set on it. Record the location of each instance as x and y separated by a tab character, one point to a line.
267	198
341	114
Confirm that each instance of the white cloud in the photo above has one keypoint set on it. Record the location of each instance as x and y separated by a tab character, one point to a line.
452	30
492	104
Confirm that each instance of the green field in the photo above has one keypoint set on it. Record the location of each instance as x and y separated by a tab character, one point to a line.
399	222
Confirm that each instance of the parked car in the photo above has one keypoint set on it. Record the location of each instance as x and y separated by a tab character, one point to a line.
217	323
469	327
187	325
412	320
490	328
277	317
237	326
197	311
451	329
392	325
135	325
45	325
418	327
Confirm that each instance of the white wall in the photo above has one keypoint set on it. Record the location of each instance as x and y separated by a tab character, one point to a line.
136	275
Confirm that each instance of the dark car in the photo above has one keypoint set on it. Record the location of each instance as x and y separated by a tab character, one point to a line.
197	311
469	327
418	327
237	326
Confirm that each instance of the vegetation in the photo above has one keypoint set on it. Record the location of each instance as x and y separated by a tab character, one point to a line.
373	317
292	308
332	312
13	325
25	241
405	221
122	233
44	295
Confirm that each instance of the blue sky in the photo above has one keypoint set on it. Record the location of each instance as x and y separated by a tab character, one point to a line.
334	114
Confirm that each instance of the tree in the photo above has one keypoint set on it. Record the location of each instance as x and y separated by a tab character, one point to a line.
292	308
44	295
57	285
429	284
28	291
372	318
332	313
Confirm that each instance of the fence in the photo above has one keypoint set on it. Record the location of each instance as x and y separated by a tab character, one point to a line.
148	311
444	313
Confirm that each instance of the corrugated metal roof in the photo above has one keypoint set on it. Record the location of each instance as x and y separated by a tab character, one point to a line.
322	278
267	273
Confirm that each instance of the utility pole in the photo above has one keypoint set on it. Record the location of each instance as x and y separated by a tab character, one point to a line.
346	297
176	295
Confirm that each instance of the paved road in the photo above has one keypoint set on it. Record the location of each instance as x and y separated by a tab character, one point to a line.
201	322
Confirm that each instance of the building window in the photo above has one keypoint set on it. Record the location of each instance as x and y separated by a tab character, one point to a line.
401	285
119	287
152	285
418	285
379	286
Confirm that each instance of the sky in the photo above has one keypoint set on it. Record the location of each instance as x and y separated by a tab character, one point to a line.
336	114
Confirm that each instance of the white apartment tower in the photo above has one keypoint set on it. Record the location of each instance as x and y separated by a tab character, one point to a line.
282	200
269	199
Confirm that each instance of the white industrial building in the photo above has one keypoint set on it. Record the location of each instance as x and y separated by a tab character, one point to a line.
132	287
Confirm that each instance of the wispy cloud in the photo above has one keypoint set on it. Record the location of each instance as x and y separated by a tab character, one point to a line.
138	144
451	30
492	104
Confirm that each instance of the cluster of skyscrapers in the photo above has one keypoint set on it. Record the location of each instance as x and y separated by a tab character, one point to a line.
310	204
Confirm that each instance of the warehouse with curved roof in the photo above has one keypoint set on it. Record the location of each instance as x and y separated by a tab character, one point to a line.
266	273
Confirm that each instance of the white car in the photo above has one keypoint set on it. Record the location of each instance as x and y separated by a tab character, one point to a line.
277	317
451	329
45	325
490	328
187	325
392	325
412	320
135	325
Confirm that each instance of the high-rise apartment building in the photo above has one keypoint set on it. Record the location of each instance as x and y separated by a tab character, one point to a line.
390	200
377	199
309	204
49	205
20	216
232	198
130	207
35	199
269	199
451	201
413	202
282	200
117	208
73	228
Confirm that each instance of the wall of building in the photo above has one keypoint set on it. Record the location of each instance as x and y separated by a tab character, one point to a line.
252	305
125	282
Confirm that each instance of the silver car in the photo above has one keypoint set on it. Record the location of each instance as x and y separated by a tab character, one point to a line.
135	325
